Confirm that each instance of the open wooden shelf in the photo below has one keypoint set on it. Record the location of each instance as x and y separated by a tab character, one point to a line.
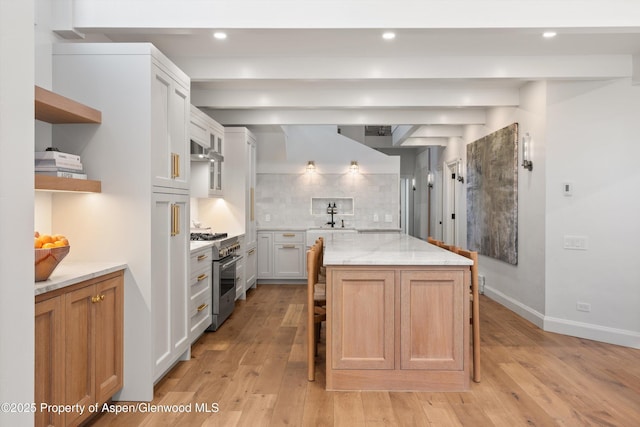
54	183
57	109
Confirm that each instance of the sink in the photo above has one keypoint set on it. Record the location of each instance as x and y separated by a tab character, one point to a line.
315	232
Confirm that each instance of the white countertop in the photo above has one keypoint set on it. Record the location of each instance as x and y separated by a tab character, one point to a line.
70	273
385	249
196	245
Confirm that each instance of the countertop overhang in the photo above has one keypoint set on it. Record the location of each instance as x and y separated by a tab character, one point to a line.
70	273
385	249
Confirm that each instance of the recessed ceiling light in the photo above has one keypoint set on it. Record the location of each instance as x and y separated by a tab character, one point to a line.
549	34
389	35
220	35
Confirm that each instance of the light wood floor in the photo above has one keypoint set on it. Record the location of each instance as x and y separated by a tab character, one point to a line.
253	370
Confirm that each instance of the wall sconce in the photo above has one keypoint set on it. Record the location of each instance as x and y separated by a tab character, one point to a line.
354	168
526	152
460	177
311	166
430	179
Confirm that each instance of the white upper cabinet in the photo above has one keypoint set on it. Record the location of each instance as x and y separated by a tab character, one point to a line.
206	171
198	128
170	115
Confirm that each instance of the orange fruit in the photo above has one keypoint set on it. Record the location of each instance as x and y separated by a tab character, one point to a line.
58	243
45	238
57	237
48	245
37	243
64	241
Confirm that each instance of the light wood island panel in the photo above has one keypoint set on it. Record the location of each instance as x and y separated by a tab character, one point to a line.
397	328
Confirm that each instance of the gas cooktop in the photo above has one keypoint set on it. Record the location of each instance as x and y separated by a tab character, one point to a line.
208	236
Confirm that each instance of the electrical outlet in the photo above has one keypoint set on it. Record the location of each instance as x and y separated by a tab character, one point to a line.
583	306
579	243
375	218
388	218
267	218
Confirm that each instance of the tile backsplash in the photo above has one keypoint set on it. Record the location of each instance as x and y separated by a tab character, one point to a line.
369	200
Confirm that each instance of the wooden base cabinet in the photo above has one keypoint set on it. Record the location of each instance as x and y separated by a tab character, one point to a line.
49	360
79	347
397	328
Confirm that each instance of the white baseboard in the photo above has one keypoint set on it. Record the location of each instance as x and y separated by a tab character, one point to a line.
566	327
592	332
517	307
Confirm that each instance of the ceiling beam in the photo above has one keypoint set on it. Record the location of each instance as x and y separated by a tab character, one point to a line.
310	97
438	131
346	116
426	142
432	67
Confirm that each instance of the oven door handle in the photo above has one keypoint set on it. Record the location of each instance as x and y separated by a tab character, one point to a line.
233	261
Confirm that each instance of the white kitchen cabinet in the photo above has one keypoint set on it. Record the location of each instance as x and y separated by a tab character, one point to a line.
239	176
283	257
251	268
288	254
200	276
216	136
169	304
251	258
198	128
240	270
146	100
170	109
207	177
265	255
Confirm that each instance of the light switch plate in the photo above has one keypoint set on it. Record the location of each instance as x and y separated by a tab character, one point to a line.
567	189
579	243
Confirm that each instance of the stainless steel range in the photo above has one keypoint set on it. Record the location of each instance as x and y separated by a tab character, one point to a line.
225	255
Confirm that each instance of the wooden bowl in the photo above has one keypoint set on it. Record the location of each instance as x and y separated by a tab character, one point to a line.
47	260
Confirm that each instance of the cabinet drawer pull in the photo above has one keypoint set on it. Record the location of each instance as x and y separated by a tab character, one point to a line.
175	165
288	246
201	257
202	277
288	235
175	219
202	307
251	252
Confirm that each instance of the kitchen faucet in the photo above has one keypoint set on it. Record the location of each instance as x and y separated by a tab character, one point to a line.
332	210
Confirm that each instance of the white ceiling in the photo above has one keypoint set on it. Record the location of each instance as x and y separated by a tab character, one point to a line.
425	76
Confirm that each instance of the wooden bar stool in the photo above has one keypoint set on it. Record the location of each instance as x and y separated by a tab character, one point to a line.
316	312
475	310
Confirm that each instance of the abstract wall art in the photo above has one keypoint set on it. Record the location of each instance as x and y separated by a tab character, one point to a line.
492	195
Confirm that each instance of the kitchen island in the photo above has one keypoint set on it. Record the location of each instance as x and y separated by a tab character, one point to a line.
397	314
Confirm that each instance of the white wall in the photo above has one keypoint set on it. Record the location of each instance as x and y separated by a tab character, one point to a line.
16	209
284	189
521	287
583	133
593	132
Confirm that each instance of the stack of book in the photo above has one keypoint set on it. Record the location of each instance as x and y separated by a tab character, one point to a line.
56	163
